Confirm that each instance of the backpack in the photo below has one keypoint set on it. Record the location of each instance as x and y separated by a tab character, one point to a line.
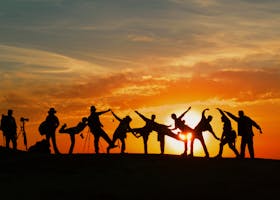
43	128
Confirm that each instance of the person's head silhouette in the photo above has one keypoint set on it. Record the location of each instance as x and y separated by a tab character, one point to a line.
209	118
127	118
173	116
10	112
153	117
241	113
92	109
52	111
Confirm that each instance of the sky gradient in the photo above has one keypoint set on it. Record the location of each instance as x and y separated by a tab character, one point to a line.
155	56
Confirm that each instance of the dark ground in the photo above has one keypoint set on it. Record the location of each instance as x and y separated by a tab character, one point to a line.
135	176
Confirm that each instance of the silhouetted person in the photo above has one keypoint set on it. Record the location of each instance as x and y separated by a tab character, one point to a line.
179	123
95	127
72	131
245	130
120	132
203	125
145	130
161	129
52	123
228	135
9	128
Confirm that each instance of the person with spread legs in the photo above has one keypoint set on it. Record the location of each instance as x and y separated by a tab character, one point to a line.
96	128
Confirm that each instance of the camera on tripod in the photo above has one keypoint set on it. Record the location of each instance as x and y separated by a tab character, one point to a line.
22	119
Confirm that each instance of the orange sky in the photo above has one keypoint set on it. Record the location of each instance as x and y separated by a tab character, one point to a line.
157	57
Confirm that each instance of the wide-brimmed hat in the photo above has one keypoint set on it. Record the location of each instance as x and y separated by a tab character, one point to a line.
52	110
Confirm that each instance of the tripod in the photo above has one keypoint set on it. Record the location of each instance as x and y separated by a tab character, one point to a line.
22	130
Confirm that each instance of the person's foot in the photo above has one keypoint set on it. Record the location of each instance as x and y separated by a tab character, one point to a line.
61	130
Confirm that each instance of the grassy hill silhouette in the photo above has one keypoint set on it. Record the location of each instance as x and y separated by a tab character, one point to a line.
135	176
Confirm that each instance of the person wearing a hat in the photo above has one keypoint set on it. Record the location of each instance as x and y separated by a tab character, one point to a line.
120	132
95	128
52	123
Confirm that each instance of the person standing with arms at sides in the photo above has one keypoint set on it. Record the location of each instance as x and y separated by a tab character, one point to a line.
9	128
95	127
52	123
228	135
245	130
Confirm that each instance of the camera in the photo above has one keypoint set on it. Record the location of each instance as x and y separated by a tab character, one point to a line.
22	119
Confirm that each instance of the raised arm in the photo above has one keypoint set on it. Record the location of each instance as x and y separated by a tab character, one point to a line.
203	113
182	115
232	116
102	112
116	116
142	116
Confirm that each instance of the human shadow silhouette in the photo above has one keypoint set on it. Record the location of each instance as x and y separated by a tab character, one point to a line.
245	130
203	125
95	127
121	131
228	135
72	131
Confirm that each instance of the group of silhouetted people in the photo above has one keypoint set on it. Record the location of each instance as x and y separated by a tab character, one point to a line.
49	126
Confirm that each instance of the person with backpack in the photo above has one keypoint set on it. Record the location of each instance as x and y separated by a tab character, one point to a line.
228	136
51	124
9	128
